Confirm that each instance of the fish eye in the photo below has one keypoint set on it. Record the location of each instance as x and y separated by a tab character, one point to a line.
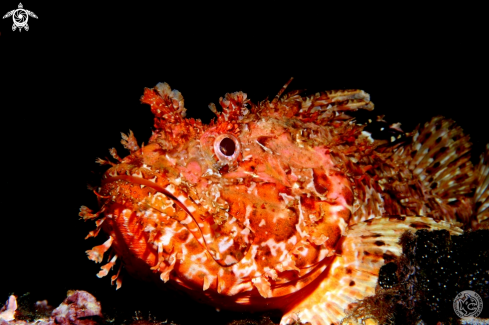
227	148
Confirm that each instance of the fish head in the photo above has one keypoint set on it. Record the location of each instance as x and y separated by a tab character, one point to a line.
252	204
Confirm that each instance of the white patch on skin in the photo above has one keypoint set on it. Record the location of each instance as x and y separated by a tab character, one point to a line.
264	148
342	225
225	244
271	273
274	246
229	260
208	279
183	253
220	284
418	170
170	188
149	228
284	254
340	200
292	240
186	221
245	232
210	172
304	251
208	238
293	174
336	264
262	223
310	177
192	271
252	174
336	208
149	214
192	228
169	232
171	160
313	218
200	258
323	253
234	231
301	221
214	190
126	214
286	198
247	266
162	202
251	188
195	269
279	215
249	209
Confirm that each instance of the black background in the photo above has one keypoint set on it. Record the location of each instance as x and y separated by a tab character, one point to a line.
72	83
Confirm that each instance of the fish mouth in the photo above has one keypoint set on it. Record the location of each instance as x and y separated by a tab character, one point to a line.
190	223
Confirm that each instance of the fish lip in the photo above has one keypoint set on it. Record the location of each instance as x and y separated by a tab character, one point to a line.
142	181
146	182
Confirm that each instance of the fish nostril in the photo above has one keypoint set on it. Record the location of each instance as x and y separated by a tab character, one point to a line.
227	146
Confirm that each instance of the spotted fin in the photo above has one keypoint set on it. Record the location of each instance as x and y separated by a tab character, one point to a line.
481	197
353	274
440	158
432	176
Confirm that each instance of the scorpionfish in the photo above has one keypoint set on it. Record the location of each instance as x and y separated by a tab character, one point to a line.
287	204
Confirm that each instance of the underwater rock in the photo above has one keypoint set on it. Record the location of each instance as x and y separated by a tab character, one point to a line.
422	283
79	308
8	311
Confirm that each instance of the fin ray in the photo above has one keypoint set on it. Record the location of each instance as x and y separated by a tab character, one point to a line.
481	197
353	274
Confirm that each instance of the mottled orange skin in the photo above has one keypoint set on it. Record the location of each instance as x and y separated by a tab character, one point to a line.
264	220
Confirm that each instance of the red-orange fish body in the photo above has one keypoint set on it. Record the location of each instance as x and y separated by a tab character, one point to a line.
287	204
